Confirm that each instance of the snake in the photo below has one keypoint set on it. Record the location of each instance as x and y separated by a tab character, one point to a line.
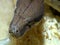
27	13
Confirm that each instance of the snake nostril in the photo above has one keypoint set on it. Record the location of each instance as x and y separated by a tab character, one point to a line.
10	31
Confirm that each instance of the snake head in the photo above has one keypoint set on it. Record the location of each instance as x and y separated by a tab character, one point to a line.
26	13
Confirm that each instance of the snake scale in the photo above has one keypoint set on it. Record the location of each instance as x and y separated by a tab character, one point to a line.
27	12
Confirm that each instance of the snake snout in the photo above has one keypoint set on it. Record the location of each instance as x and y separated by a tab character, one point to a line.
13	30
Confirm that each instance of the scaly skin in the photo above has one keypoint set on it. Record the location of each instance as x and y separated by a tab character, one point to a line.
26	11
